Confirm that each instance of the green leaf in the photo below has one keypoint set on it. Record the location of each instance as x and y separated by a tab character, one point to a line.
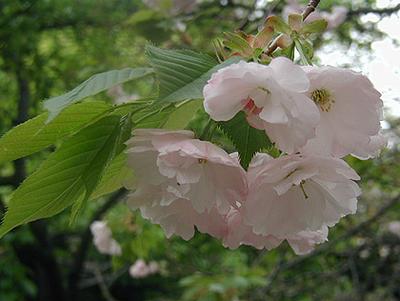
154	116
35	135
236	43
182	74
114	176
124	134
69	175
278	24
295	22
316	26
305	50
247	140
286	52
95	84
182	115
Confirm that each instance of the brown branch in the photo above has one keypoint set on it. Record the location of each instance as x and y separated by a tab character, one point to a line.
45	266
311	6
327	246
379	11
105	292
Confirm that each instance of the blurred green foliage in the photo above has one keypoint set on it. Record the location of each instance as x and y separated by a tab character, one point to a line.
47	47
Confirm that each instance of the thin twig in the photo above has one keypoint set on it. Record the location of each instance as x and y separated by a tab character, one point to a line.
81	253
312	5
348	234
379	11
105	292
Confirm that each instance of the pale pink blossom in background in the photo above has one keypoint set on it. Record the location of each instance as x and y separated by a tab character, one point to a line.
296	193
140	269
272	97
394	227
102	239
119	96
335	17
351	111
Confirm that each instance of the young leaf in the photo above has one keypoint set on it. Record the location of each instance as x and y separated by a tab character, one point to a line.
95	84
246	139
278	24
69	175
35	135
238	44
295	22
263	37
316	26
305	50
182	74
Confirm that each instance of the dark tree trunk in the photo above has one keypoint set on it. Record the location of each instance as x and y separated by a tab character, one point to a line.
38	257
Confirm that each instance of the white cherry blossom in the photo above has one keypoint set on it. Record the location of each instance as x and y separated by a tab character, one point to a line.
272	96
239	233
351	110
182	182
296	193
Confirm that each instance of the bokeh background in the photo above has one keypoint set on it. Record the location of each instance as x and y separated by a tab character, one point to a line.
47	47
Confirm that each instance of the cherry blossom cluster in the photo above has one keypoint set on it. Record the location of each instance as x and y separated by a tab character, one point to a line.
140	269
314	115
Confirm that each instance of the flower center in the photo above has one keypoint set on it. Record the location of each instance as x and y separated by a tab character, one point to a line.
251	108
202	161
323	98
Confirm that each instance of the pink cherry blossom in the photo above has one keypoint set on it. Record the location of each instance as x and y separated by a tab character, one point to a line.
102	239
272	97
351	110
181	167
179	217
304	242
183	182
239	233
296	193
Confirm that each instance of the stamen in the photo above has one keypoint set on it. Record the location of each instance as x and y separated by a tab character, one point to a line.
302	189
202	161
265	90
323	98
